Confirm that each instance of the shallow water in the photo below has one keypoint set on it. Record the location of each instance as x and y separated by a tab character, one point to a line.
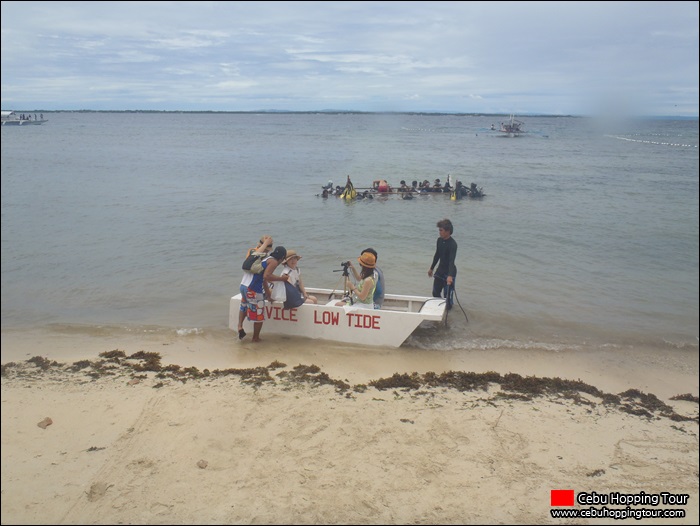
588	235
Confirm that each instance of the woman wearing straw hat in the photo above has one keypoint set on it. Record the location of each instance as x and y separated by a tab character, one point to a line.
296	293
362	294
379	286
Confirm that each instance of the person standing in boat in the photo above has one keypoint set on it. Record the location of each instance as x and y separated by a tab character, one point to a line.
446	271
362	294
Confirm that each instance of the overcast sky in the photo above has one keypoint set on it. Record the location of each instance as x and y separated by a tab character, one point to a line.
558	58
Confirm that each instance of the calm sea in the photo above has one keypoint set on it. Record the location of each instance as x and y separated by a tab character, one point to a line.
587	236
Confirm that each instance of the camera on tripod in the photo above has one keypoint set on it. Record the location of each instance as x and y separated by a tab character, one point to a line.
344	270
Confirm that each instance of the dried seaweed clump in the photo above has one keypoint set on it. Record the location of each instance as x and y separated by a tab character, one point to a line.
255	376
636	402
312	375
150	361
398	381
43	363
687	397
4	368
518	387
513	386
462	381
115	356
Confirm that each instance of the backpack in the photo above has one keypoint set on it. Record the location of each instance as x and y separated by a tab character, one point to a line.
253	263
378	297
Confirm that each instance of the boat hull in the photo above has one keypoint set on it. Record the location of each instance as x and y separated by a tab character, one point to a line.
23	122
389	326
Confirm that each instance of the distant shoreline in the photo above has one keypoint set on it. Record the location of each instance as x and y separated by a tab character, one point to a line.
309	112
353	112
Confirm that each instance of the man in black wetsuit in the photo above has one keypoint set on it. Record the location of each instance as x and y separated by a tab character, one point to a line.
446	272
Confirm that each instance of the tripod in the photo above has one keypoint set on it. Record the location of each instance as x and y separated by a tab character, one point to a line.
344	277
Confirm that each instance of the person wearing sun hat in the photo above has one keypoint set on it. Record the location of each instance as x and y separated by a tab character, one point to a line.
379	286
362	294
296	294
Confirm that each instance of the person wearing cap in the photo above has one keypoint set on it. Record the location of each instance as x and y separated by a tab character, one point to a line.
259	289
445	253
296	293
362	294
265	245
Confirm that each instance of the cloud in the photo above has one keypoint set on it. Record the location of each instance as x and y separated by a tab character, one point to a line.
540	57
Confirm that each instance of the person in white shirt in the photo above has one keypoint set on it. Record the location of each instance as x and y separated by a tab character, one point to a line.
296	293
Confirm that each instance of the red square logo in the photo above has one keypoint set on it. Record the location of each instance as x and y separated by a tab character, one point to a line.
562	497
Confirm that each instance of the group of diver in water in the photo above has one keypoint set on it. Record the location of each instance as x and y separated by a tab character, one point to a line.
404	191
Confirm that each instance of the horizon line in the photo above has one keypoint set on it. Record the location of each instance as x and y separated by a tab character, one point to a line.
437	113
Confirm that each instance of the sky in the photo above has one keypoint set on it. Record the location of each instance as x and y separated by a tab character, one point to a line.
550	58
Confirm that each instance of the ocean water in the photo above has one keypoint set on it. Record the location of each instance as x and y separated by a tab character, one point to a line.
587	236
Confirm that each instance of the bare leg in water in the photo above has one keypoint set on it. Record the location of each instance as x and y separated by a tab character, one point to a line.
257	327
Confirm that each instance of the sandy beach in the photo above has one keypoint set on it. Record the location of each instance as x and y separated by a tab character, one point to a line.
204	429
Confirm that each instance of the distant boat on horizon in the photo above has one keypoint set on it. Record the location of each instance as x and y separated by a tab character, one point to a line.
512	128
10	118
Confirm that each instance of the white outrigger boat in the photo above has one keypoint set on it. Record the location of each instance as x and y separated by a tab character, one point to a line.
10	118
389	326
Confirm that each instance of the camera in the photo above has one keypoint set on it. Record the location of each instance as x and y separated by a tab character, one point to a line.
344	269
